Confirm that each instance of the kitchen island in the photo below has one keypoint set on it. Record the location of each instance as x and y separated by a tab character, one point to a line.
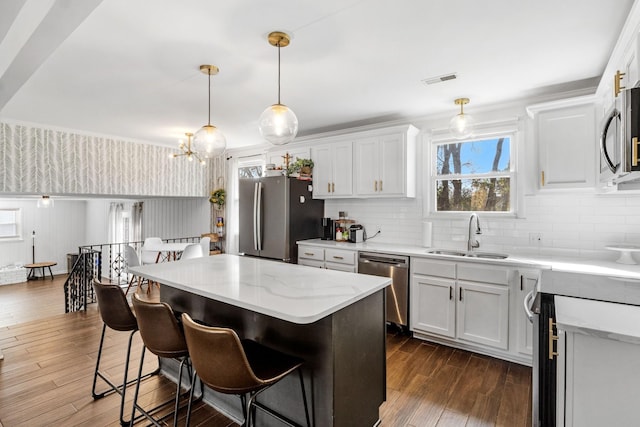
333	320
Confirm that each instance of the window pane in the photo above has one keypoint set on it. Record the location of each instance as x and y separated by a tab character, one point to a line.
489	195
8	230
474	157
250	172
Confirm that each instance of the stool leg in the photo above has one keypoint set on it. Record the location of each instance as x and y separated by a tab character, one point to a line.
193	381
95	374
304	398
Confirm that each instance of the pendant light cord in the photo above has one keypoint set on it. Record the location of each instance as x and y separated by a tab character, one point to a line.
278	72
209	121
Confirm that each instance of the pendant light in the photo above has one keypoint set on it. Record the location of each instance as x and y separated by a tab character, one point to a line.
278	124
187	151
461	126
209	136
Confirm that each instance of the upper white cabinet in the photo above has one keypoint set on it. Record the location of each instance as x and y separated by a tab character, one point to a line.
332	170
565	132
375	163
384	165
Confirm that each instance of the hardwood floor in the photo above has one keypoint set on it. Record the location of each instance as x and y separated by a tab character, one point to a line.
45	378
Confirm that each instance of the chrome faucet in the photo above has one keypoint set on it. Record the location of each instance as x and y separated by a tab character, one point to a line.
473	243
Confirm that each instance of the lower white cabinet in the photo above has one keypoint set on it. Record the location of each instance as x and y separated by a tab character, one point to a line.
331	259
461	301
528	278
598	363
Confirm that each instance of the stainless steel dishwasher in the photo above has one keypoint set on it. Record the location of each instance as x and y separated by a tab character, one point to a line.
397	268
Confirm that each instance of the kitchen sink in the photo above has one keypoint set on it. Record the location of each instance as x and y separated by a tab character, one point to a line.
483	255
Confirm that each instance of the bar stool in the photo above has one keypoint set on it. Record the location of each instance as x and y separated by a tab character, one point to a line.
229	365
163	337
116	314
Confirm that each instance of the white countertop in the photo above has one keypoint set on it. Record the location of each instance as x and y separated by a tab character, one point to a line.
289	292
602	319
567	264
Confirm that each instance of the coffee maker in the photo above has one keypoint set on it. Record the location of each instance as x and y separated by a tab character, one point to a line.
327	229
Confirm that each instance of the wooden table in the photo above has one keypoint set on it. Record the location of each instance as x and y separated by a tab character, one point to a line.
42	265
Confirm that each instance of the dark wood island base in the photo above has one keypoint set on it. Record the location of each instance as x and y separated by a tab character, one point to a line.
345	369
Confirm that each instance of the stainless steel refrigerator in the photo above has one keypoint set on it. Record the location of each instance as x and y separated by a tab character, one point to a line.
276	212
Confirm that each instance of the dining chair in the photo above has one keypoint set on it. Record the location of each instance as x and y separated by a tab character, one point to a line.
132	260
150	256
205	243
245	368
192	251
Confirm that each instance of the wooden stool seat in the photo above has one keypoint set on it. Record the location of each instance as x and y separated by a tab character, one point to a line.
42	265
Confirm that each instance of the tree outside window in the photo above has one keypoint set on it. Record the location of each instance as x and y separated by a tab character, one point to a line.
474	176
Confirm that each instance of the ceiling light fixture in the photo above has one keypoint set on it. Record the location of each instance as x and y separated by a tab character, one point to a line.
278	124
209	136
187	151
45	202
461	126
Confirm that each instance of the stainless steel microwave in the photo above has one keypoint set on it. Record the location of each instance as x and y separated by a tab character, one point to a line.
620	139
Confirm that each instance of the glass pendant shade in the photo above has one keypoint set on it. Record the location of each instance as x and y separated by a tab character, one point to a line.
278	124
211	139
461	126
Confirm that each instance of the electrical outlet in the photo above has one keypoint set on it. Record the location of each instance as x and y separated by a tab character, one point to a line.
535	239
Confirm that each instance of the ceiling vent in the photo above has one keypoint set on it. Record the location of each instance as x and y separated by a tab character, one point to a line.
439	79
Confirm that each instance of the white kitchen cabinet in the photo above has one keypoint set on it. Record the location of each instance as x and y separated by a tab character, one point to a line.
384	165
333	170
565	133
433	305
454	300
329	258
598	363
483	314
524	329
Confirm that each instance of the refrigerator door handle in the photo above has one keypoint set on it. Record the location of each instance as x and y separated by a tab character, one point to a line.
259	217
255	215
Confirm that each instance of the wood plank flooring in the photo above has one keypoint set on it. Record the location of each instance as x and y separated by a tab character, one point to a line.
45	378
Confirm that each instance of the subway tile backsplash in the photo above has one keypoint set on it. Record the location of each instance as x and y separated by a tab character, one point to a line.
569	224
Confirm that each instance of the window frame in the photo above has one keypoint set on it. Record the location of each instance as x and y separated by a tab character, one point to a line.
17	221
507	130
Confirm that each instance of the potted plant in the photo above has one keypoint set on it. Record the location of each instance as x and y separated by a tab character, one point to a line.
218	197
302	167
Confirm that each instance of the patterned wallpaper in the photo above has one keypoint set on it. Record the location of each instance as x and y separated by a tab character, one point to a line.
44	161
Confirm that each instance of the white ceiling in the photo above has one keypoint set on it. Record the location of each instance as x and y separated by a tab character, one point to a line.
130	68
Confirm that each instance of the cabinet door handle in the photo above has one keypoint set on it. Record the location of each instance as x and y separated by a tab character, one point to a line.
634	151
375	185
333	187
450	292
337	257
542	177
328	187
521	287
616	83
309	253
552	338
380	185
460	294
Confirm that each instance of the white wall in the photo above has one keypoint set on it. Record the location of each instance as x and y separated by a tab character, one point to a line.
59	230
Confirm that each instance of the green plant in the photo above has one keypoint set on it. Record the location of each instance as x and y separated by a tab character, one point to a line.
218	197
299	166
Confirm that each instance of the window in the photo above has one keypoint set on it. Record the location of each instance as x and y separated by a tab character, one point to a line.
10	224
474	175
